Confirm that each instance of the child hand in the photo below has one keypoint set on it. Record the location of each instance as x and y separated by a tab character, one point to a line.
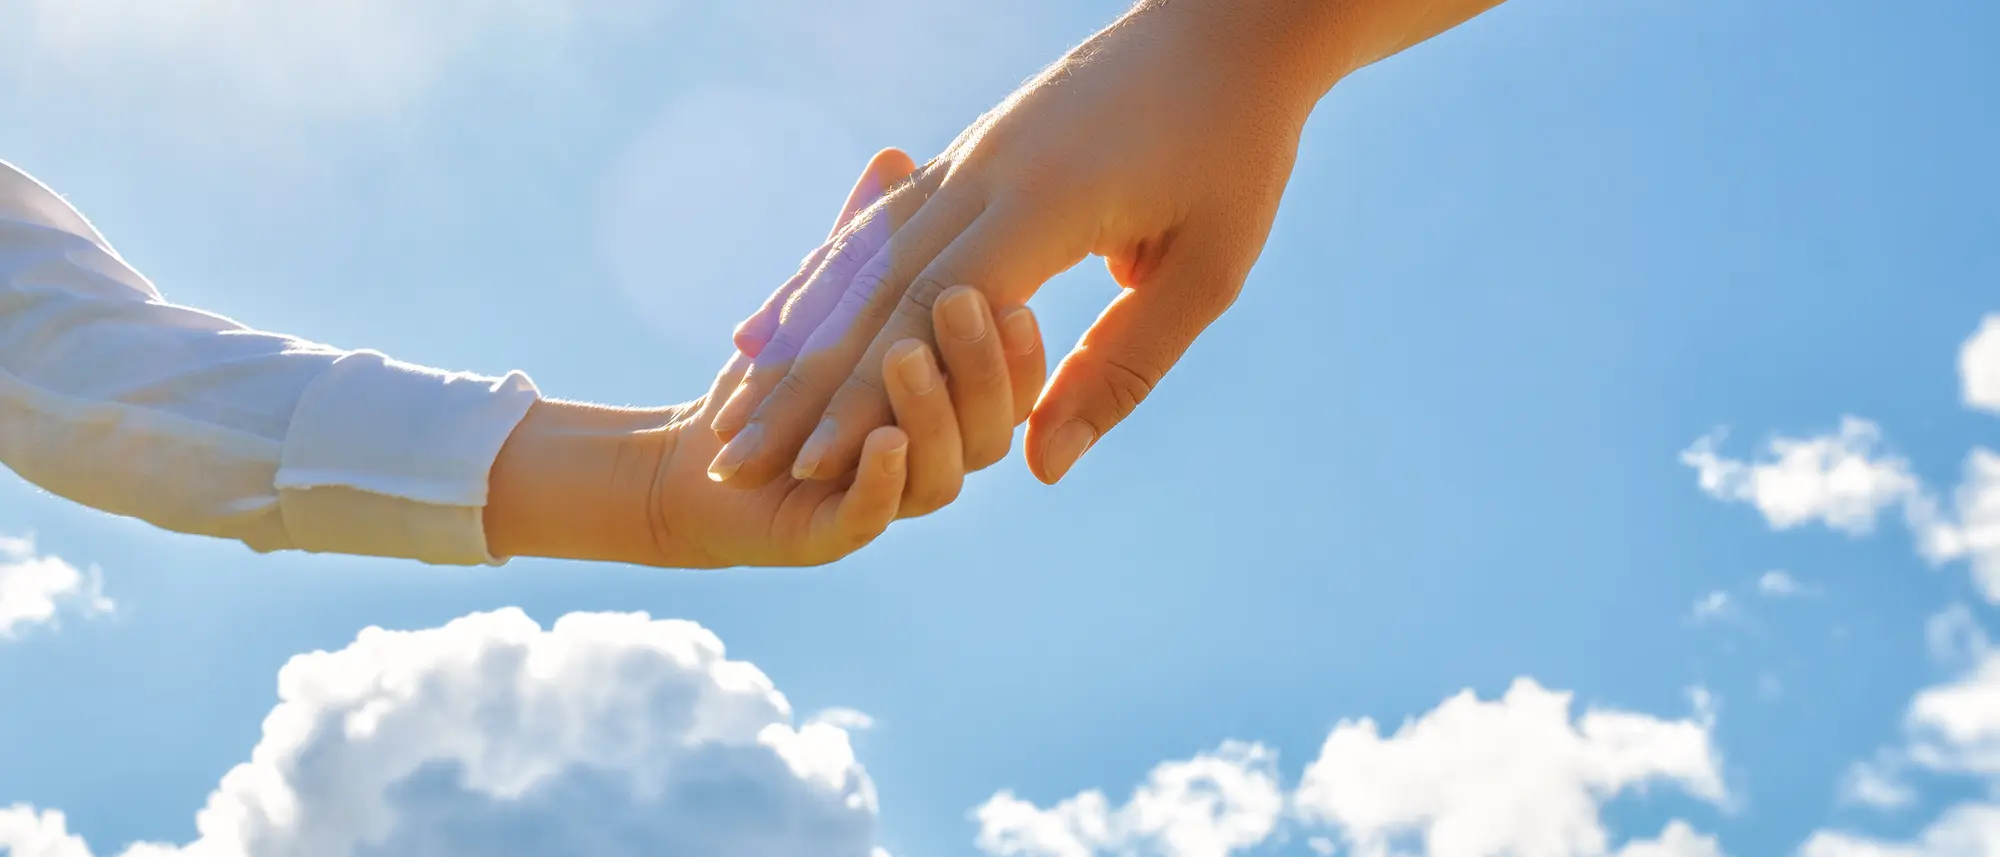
909	469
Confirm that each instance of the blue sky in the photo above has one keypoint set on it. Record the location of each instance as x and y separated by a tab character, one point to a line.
1436	446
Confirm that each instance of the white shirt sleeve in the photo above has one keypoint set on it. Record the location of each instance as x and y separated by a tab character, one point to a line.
116	399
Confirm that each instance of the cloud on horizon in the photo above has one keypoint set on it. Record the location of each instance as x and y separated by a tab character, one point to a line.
605	734
1470	778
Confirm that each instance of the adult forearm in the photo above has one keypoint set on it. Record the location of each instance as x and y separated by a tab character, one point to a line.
1301	48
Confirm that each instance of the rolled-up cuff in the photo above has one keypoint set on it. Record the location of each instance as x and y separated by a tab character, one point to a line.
385	458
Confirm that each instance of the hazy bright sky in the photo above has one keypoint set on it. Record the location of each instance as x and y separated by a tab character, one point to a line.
1460	435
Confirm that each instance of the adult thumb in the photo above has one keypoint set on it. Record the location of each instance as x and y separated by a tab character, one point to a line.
1130	349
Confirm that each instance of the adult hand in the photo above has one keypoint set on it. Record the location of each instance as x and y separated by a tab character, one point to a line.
1162	144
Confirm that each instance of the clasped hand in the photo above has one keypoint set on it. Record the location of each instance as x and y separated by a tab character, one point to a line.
1150	145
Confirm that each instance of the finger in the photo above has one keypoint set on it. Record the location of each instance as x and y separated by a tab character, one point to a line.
726	380
770	441
1027	361
1128	350
888	167
976	372
1007	255
849	520
922	405
754	332
806	311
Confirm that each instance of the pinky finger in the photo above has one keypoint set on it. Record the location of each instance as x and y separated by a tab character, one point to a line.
863	511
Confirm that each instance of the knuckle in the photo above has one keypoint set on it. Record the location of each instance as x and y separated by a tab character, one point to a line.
843	261
923	294
853	540
932	498
793	387
851	251
1126	386
862	384
1219	299
814	259
986	454
872	307
976	374
789	340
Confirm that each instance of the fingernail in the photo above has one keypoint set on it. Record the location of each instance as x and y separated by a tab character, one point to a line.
735	412
1069	444
1018	333
893	463
813	451
733	454
962	315
915	366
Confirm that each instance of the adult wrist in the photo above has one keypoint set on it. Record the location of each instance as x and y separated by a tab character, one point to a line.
577	481
1292	51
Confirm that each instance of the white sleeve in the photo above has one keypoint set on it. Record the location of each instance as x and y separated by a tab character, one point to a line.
116	399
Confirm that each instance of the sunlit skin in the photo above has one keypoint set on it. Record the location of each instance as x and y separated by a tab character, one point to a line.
583	481
1163	144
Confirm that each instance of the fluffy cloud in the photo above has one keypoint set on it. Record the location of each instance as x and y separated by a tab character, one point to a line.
1210	806
1843	481
1840	480
1471	778
1512	776
1677	840
34	589
606	734
1979	366
24	832
1956	726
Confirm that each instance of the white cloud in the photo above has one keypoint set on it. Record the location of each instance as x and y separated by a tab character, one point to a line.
1512	776
1840	480
319	57
1972	531
1714	605
1470	778
1212	805
1779	584
1956	726
25	832
1979	366
1968	830
1953	728
34	589
1844	481
606	734
1677	840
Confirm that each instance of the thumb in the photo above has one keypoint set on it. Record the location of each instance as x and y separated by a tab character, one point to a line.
1128	350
